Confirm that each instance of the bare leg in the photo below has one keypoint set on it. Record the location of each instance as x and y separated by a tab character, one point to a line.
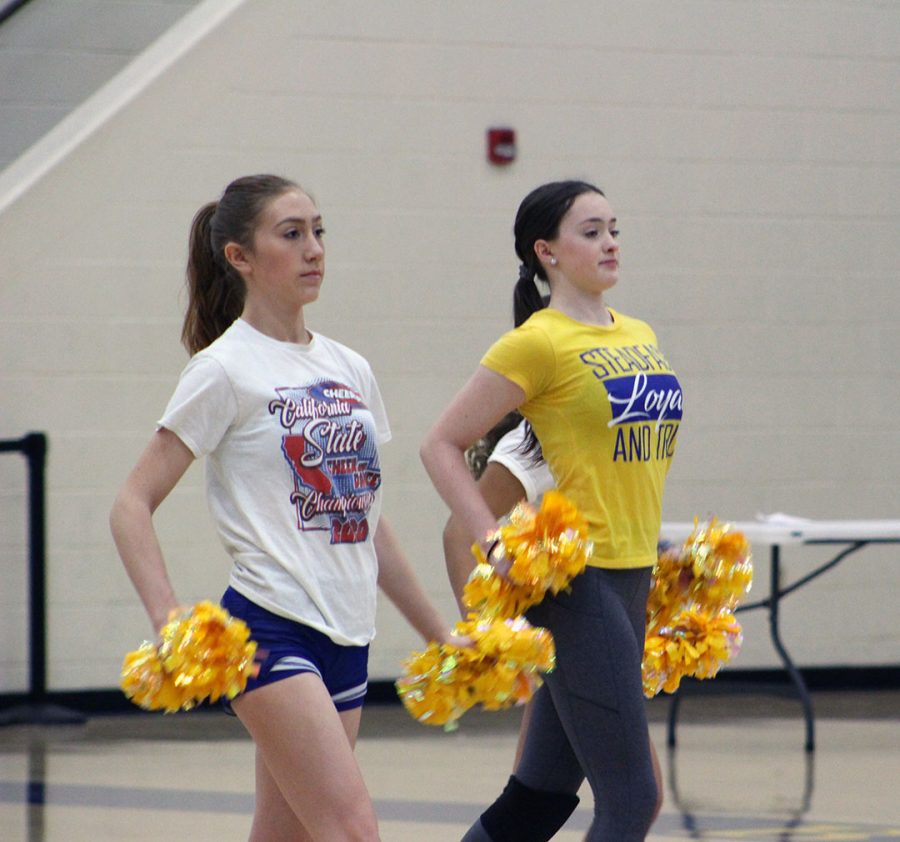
523	731
309	786
273	818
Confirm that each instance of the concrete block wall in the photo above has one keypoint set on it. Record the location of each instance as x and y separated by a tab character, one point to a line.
745	147
56	53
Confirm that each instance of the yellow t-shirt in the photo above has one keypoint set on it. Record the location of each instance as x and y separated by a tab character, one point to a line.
606	408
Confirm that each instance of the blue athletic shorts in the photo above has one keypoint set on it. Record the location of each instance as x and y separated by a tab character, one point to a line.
285	648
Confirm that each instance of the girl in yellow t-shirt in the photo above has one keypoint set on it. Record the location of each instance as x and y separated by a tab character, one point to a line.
606	406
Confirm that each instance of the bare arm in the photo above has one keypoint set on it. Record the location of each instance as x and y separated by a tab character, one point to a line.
158	470
480	404
501	491
401	585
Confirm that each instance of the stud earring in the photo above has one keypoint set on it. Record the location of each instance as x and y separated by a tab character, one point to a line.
553	261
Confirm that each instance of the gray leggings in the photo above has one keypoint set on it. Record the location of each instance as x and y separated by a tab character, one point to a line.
588	720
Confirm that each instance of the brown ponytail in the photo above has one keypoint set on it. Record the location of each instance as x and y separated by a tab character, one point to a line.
215	289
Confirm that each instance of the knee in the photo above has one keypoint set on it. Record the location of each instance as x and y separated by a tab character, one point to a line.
644	802
627	814
353	823
523	814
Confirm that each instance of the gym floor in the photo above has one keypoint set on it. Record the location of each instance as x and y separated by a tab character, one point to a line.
739	771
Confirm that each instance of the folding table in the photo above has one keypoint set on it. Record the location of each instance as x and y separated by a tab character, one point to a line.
776	531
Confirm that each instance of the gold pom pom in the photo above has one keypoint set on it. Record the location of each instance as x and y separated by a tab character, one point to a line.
502	668
204	654
691	629
695	645
546	547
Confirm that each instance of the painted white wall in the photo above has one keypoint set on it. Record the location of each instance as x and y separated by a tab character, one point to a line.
56	53
748	148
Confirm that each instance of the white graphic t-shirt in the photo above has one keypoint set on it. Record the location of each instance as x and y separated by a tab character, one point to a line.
291	435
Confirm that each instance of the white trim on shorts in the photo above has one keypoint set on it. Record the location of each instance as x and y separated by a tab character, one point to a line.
352	694
294	662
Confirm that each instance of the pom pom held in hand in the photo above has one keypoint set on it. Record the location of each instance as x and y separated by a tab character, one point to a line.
695	644
546	547
501	669
691	629
203	654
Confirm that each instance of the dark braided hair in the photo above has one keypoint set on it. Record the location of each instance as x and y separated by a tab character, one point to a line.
538	218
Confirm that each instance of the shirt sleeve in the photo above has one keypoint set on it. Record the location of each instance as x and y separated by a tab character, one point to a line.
524	355
203	406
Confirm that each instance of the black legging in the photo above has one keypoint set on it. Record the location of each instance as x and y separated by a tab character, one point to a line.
588	720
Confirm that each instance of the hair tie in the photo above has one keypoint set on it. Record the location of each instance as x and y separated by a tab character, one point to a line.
525	273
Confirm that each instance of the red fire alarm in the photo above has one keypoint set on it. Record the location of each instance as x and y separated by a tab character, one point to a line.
501	146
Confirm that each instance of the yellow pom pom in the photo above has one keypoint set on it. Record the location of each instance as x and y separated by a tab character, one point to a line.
691	630
720	563
204	654
694	645
492	596
547	547
502	668
142	674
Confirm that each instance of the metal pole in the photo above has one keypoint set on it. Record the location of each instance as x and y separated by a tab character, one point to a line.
34	446
36	711
793	672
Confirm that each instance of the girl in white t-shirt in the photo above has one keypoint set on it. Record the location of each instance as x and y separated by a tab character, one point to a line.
290	423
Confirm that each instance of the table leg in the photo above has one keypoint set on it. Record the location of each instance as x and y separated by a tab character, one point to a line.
674	702
793	672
